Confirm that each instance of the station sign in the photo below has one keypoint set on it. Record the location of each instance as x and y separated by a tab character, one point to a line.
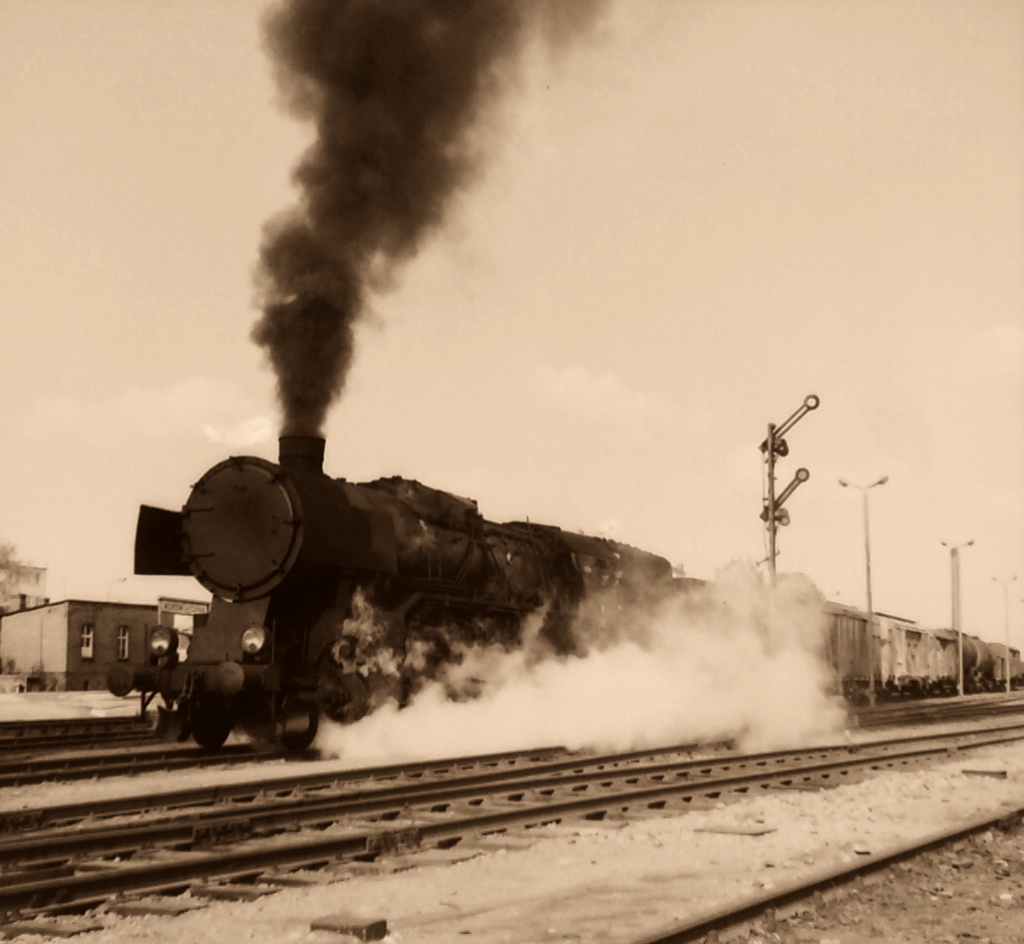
183	607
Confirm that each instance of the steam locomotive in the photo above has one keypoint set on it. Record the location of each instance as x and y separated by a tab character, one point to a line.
330	598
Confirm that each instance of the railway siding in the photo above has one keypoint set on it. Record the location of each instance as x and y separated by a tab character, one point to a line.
416	828
971	890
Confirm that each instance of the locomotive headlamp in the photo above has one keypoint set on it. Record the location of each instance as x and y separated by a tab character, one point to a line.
253	640
163	640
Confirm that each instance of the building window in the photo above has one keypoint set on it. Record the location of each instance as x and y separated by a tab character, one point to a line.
87	640
122	643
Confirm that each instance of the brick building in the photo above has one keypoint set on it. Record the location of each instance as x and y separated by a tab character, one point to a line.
70	645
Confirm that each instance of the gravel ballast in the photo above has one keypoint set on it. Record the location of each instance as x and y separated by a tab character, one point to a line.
617	881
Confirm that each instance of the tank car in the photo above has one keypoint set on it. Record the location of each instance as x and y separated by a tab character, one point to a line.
907	659
293	557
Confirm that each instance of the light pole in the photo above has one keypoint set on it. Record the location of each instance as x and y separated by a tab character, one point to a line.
867	570
1006	581
954	580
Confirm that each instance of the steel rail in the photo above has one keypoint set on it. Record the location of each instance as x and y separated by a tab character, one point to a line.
251	790
71	742
945	710
41	726
60	732
272	790
937	710
23	772
39	817
84	889
296	805
753	906
313	810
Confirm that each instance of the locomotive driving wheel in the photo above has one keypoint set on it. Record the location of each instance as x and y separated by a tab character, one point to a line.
347	698
343	696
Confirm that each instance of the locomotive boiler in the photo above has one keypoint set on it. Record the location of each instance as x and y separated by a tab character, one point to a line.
331	598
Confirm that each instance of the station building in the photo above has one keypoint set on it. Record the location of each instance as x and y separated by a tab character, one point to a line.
70	645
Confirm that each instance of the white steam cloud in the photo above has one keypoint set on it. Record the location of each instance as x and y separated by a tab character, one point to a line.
250	432
731	659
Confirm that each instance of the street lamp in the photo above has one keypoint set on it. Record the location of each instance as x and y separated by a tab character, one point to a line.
954	579
1006	581
867	569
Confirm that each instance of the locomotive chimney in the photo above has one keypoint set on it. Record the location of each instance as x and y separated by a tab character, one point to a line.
305	453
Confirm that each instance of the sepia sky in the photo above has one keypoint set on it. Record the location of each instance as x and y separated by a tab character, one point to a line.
686	223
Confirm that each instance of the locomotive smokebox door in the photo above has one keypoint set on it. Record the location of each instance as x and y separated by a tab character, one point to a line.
242	528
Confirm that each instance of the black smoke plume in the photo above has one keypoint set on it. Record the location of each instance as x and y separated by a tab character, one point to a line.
395	89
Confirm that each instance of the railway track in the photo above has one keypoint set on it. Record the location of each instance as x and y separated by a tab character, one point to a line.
72	733
47	732
35	769
59	870
28	747
231	796
937	711
776	901
468	771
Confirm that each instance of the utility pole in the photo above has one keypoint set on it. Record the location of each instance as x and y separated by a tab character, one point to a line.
1006	615
773	514
872	648
954	580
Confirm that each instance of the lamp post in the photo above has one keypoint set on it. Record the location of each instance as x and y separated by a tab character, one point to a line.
867	570
954	580
1006	581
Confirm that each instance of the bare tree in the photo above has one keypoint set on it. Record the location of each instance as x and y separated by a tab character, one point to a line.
9	569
